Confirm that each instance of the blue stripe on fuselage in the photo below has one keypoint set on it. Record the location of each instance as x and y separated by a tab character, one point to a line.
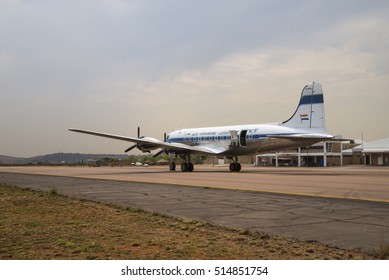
215	138
312	99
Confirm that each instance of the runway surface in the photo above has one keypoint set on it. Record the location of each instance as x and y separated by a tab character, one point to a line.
345	207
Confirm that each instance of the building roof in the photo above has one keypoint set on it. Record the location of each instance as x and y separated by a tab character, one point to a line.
378	146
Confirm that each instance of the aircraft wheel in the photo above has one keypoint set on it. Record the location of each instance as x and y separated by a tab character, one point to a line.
235	167
187	167
172	166
184	167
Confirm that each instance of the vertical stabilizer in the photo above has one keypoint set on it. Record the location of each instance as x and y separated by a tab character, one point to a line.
310	111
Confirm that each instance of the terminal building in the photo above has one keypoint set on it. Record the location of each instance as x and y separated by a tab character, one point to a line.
331	153
374	152
328	153
323	154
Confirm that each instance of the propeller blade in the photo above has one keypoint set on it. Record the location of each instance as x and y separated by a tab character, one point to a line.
164	137
130	148
138	131
157	154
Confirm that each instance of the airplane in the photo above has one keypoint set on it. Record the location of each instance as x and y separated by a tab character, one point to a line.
305	127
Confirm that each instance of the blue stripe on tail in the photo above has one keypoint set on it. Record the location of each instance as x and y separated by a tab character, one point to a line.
312	99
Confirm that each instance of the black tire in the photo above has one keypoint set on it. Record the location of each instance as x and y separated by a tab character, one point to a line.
190	167
235	167
184	167
172	166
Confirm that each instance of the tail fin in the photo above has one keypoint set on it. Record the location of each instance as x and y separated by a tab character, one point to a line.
310	111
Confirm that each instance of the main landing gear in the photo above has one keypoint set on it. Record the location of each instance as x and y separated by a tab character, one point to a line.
172	166
187	166
235	165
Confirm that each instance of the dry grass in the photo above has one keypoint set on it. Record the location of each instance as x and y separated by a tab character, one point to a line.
382	250
45	225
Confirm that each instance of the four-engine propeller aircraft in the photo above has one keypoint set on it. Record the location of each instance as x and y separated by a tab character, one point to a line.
306	127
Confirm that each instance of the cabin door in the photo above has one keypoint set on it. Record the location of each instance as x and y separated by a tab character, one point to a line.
242	138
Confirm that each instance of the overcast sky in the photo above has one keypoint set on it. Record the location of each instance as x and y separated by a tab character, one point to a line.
114	65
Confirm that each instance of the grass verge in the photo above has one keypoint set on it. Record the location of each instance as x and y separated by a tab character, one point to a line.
45	225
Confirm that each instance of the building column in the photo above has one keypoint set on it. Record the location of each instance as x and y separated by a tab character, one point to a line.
324	154
299	157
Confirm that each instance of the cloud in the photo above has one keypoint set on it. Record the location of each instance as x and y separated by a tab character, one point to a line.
114	65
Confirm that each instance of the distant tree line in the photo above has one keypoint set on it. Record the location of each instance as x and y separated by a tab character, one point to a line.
144	159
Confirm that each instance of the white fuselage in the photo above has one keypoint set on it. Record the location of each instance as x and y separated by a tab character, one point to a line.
249	139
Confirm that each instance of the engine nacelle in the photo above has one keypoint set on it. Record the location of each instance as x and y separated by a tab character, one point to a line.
147	148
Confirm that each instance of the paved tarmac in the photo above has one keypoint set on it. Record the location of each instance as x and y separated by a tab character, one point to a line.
348	223
367	183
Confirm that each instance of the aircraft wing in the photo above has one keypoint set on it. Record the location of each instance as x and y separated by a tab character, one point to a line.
310	136
318	137
155	143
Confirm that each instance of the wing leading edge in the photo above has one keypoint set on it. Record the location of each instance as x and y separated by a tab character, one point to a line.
155	143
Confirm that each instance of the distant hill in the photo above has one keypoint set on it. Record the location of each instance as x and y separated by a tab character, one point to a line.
57	158
11	160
